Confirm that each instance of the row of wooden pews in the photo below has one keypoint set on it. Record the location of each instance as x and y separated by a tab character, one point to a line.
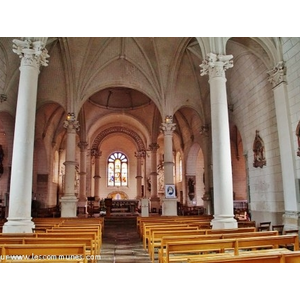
62	240
202	249
144	224
179	240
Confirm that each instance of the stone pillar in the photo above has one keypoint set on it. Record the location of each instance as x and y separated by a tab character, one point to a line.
96	153
155	200
139	155
169	206
69	200
215	66
33	54
82	203
287	155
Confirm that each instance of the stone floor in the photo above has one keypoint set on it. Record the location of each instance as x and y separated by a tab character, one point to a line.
121	242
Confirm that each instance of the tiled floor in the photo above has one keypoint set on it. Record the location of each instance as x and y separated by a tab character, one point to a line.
121	242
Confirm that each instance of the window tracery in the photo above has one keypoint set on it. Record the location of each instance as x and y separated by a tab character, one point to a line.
117	169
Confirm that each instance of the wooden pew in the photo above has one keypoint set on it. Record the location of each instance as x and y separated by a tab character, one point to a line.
76	229
160	239
201	232
140	219
53	261
147	228
17	234
156	236
168	219
89	235
242	224
34	252
46	222
84	222
184	223
261	257
181	251
91	247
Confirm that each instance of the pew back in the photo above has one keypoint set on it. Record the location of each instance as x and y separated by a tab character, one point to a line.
186	248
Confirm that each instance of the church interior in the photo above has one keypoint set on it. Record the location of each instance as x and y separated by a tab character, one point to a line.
95	128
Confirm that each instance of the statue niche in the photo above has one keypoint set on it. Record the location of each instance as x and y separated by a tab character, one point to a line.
259	152
191	181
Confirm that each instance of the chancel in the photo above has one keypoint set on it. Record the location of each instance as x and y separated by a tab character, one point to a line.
128	129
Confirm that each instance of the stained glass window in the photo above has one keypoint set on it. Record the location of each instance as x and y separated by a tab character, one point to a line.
117	169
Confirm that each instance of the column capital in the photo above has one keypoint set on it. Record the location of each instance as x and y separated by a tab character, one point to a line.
82	145
168	128
153	147
215	65
140	154
95	152
71	123
32	53
277	74
205	130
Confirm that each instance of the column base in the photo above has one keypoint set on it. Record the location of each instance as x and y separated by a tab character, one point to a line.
16	225
207	204
155	203
169	207
82	206
291	220
224	222
145	208
68	207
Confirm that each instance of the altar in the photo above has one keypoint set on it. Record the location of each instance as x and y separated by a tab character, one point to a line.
125	206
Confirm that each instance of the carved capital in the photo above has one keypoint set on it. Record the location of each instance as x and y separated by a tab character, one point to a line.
96	153
153	147
204	130
82	145
140	154
277	74
71	125
32	53
167	128
215	65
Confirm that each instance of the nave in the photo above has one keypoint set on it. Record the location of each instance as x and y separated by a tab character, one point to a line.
119	239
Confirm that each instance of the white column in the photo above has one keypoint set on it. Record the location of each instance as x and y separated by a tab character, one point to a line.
33	55
96	153
82	173
155	201
215	66
139	156
69	200
169	206
287	155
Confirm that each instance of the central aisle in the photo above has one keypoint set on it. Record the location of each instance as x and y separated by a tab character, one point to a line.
121	242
